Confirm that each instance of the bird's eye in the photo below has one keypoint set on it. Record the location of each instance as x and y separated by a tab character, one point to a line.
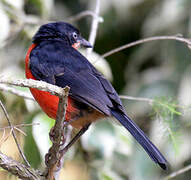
75	35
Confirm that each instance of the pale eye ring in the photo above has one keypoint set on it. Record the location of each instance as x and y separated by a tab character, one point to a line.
75	35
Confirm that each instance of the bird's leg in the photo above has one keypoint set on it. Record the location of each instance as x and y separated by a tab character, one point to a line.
75	138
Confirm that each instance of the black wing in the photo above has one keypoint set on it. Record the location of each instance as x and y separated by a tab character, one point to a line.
62	65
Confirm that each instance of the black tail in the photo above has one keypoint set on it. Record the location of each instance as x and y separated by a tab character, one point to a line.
139	135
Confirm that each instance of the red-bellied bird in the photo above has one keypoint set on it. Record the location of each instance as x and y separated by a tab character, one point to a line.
53	57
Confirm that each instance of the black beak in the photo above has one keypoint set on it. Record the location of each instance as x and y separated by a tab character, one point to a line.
83	42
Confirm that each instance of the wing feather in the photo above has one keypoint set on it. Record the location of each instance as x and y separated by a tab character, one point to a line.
59	65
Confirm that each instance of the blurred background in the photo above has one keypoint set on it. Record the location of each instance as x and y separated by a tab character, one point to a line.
159	70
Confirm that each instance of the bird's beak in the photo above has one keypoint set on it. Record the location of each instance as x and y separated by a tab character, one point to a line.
83	42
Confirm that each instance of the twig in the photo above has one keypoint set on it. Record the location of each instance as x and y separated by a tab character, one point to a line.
94	27
176	173
19	130
84	14
17	92
19	125
18	169
54	156
16	127
150	101
13	133
41	85
13	127
177	38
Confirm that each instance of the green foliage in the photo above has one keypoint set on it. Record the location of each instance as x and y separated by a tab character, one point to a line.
167	110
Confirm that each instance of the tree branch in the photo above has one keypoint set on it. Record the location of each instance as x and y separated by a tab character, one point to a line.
18	169
54	156
17	92
41	85
155	38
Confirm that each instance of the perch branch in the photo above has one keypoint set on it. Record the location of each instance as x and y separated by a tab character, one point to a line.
41	85
54	156
17	92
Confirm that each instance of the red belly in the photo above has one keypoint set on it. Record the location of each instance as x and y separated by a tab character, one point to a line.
49	104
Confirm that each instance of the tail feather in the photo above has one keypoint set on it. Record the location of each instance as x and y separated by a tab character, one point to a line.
143	140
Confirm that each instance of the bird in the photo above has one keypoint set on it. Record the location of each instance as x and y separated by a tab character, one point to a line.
53	57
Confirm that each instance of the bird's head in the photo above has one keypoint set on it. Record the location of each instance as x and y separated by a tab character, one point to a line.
61	31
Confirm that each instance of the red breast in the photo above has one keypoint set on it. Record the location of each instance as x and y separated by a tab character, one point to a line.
48	102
